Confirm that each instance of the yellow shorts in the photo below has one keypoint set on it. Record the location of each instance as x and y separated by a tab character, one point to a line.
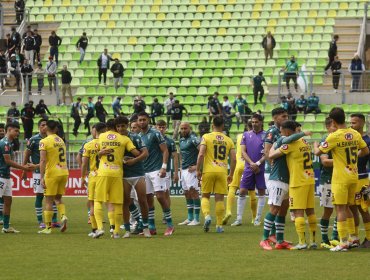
302	197
360	184
109	189
91	187
236	178
214	182
55	185
343	194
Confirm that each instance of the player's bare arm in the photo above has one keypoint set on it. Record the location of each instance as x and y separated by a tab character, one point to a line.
84	172
202	152
275	153
316	149
363	152
164	150
26	159
232	165
142	156
326	161
42	167
175	158
255	167
79	159
11	163
267	152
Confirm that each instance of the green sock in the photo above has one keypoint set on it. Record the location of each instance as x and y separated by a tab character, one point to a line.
335	231
273	230
324	226
55	215
6	221
280	225
196	203
190	206
1	208
168	217
38	207
267	225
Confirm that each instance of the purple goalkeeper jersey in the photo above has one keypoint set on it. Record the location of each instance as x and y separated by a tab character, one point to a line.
254	143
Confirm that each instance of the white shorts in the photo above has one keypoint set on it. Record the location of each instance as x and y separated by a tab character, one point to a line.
278	192
189	180
326	196
168	180
154	183
6	187
36	183
132	181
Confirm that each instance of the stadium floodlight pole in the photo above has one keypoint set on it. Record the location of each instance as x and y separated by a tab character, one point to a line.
26	92
343	88
57	91
279	85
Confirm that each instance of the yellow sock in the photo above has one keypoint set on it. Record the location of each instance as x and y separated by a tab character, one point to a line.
61	210
367	230
351	226
312	227
48	216
230	200
252	195
118	217
342	230
300	229
98	213
93	222
357	231
111	218
205	206
220	212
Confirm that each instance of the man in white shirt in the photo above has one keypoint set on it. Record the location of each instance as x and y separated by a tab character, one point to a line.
103	64
51	70
168	105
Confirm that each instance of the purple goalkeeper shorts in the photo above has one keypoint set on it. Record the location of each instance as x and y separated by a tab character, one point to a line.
251	181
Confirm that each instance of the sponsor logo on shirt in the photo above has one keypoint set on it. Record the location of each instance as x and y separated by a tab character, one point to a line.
57	139
219	137
284	147
348	136
96	146
111	136
325	144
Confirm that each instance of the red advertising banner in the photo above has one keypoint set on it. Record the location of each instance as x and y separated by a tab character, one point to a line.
23	188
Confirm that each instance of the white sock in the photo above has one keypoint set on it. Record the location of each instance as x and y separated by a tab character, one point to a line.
241	206
261	205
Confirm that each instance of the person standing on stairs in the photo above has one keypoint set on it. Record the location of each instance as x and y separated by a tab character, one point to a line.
333	51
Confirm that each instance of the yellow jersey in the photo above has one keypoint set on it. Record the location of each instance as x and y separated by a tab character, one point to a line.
240	163
112	165
90	151
56	163
299	161
344	145
218	148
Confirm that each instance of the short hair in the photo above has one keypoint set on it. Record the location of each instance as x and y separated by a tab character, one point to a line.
260	73
358	115
161	123
257	116
84	33
218	121
2	125
111	124
297	124
13	103
336	36
271	123
100	127
12	125
291	125
40	121
121	120
328	121
155	99
210	97
337	114
52	125
79	99
133	118
177	101
143	114
278	111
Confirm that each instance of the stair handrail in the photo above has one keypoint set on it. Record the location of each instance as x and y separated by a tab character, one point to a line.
362	39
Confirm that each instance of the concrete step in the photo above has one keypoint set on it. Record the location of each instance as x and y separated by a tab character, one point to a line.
347	30
341	22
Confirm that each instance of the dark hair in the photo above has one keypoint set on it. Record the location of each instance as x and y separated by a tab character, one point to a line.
2	125
358	115
12	125
155	99
336	36
278	111
111	124
121	120
84	33
260	73
271	123
40	121
218	121
328	121
291	125
52	125
100	127
210	97
337	114
257	116
177	102
143	114
79	99
161	123
297	124
13	103
133	118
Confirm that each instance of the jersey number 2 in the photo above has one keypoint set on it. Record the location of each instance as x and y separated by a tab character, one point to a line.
61	155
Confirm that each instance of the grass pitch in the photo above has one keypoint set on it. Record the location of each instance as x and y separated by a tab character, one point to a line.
188	254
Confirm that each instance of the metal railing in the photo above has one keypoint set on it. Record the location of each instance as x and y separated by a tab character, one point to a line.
363	33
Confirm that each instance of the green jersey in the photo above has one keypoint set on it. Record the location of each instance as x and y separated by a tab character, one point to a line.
239	105
292	66
171	146
189	151
136	170
152	139
326	172
33	147
272	135
5	149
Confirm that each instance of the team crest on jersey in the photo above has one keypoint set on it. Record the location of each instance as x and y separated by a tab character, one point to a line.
57	139
269	136
6	148
219	137
304	141
41	145
325	144
348	136
111	136
284	147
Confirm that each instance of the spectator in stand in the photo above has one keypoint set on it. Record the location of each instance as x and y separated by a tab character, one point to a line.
203	127
54	42
19	57
117	70
168	104
75	114
81	45
268	44
356	68
10	45
38	40
284	102
29	45
214	107
301	104
51	71
292	109
258	88
27	115
16	38
3	69
13	68
313	104
90	114
66	84
139	105
227	114
41	110
156	110
19	6
40	74
13	113
241	107
29	29
116	106
176	116
335	69
27	70
291	73
333	51
99	110
103	64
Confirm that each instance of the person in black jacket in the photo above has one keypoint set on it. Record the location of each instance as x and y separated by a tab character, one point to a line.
3	68
13	68
333	51
81	45
27	115
66	84
336	65
268	44
27	70
29	29
54	41
16	38
19	6
75	114
156	110
117	70
29	45
10	46
103	64
99	110
38	41
41	110
13	113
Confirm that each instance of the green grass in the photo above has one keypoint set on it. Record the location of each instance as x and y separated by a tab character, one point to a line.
188	254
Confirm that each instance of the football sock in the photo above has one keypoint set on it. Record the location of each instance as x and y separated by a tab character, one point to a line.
342	231
190	207
98	211
261	205
111	218
127	226
220	212
273	229
1	208
312	227
267	225
6	221
335	230
38	208
61	210
280	225
55	215
118	217
151	218
145	223
196	209
168	217
351	226
357	231
252	195
230	200
93	222
300	229
240	207
324	227
135	212
205	206
367	230
48	215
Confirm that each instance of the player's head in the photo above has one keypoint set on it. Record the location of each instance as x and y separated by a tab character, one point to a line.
358	122
51	127
161	126
2	130
121	124
42	126
185	129
288	128
12	130
111	125
134	127
143	120
279	115
338	116
329	125
257	122
218	124
298	127
98	128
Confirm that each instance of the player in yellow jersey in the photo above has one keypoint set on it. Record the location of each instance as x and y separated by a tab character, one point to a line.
54	175
301	183
109	185
90	160
215	149
346	145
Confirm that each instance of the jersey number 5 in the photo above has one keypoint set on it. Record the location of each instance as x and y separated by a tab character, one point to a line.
219	152
351	155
